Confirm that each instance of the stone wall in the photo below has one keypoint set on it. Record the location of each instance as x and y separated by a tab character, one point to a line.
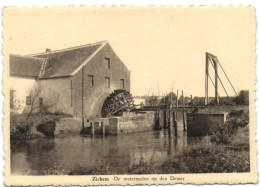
204	124
131	122
67	126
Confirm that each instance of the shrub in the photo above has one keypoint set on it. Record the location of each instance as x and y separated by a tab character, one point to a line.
35	126
98	170
47	128
236	119
242	98
143	167
55	170
215	160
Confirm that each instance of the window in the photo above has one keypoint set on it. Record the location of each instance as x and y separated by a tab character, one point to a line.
28	100
122	83
107	62
91	80
107	82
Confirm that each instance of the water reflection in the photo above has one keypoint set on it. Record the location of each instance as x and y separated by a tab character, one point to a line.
34	157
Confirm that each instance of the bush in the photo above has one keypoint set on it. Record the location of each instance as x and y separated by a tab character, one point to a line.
143	168
242	98
99	170
236	119
217	160
47	128
34	127
55	170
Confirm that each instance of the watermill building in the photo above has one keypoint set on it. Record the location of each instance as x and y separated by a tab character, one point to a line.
73	81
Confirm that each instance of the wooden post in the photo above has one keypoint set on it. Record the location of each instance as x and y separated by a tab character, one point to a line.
169	116
169	122
170	100
171	106
206	81
216	82
92	129
169	131
175	125
161	119
183	112
191	102
175	117
83	97
103	129
164	118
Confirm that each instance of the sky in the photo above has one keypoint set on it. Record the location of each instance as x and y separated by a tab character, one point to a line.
164	48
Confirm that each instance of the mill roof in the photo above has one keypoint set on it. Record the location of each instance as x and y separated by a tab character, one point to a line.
25	66
65	62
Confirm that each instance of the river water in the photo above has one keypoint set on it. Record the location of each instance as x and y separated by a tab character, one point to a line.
34	157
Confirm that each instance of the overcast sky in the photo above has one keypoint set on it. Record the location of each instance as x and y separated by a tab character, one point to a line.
163	48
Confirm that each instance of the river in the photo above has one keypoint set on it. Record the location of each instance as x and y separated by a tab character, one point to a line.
34	157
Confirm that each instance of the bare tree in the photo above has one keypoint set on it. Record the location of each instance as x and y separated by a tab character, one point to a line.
35	94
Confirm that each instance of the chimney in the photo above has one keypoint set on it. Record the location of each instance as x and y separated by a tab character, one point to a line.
47	50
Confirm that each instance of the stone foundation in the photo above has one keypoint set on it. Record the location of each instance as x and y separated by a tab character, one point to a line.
131	122
67	126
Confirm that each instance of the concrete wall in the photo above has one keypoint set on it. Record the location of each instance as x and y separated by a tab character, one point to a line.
131	122
95	96
204	124
22	87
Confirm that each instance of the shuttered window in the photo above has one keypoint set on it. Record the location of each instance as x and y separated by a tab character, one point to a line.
107	82
122	83
91	80
107	62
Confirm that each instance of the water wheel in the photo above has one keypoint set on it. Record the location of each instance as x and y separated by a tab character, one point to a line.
116	103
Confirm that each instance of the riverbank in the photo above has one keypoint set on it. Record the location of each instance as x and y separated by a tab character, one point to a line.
223	152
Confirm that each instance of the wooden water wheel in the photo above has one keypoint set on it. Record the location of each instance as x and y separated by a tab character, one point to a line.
116	103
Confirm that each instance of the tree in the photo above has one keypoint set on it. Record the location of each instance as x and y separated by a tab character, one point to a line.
35	94
198	100
167	99
152	101
187	100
